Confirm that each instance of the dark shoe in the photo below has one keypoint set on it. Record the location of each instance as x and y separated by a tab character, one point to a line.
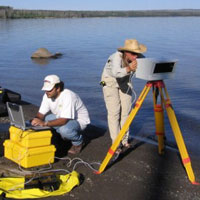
119	150
75	149
116	154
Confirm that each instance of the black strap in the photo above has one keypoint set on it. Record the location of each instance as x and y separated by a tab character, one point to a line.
123	84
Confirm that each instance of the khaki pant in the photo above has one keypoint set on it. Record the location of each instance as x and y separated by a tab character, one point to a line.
118	106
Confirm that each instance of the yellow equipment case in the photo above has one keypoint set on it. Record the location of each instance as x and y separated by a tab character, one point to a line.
29	157
30	138
29	148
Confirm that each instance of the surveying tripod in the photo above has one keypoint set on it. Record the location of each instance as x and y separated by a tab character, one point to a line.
159	89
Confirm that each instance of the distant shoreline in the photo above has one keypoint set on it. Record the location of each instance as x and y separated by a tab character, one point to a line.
7	12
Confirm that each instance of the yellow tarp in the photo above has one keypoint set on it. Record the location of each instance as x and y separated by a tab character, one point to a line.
14	187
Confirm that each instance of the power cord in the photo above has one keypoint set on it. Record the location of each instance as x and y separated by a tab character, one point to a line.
132	75
49	169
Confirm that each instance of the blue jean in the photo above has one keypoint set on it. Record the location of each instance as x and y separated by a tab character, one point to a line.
70	131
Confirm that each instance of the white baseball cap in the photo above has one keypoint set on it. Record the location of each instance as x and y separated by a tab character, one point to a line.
50	81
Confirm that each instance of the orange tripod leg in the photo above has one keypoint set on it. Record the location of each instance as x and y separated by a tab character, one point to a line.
125	127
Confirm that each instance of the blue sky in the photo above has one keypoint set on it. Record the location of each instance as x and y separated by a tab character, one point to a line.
101	4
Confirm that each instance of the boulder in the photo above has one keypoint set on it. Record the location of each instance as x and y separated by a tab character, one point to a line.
44	53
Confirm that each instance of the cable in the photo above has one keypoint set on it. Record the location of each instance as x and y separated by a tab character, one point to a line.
49	169
69	164
132	75
133	91
80	161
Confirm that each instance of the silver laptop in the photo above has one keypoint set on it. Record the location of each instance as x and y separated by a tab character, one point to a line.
16	116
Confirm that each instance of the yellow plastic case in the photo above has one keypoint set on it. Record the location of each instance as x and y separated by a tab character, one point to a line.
30	138
29	157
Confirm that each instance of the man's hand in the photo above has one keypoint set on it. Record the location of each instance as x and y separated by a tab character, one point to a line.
133	65
37	122
56	122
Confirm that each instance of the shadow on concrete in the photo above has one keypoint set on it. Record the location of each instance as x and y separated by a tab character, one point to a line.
125	152
92	132
62	146
162	166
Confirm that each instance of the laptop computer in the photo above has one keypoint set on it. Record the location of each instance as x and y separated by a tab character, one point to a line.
16	116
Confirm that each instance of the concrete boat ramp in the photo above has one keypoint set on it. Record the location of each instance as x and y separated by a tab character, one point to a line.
138	173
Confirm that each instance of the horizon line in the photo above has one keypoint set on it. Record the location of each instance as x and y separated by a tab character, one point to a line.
105	10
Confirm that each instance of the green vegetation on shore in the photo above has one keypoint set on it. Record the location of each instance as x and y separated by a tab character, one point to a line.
7	12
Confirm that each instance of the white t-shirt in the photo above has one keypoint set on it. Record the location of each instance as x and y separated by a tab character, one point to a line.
67	105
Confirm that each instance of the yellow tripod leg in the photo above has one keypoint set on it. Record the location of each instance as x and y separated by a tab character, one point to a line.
159	115
159	123
125	127
179	138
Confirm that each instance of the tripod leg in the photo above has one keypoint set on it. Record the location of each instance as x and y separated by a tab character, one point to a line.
159	122
125	127
179	139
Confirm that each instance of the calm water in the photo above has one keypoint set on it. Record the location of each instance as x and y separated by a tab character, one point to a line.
86	44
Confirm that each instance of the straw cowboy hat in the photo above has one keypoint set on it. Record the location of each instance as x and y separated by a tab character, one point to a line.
133	45
44	53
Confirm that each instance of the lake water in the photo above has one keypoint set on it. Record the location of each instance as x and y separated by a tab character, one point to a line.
86	44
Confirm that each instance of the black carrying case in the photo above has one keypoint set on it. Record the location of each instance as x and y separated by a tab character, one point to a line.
7	96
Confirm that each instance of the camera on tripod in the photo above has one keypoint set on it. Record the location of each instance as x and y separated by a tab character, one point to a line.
151	69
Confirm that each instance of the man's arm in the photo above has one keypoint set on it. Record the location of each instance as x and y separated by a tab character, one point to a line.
39	121
39	116
116	62
56	122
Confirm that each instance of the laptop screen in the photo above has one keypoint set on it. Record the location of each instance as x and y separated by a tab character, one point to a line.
16	116
163	67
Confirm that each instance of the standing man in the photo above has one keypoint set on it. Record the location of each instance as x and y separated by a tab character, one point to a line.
68	115
116	86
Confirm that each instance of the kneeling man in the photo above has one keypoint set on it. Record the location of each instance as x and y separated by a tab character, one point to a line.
68	116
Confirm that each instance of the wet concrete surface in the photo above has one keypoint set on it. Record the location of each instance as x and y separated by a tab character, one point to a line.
138	173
